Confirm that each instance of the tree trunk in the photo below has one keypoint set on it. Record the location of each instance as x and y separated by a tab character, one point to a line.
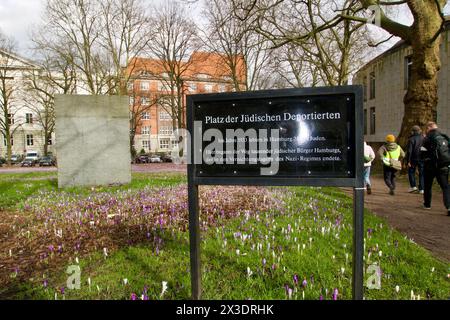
46	137
8	147
421	99
422	96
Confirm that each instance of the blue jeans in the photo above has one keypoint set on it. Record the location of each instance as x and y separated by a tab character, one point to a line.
367	176
412	175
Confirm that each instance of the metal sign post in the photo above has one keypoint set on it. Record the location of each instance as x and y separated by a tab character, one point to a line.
335	117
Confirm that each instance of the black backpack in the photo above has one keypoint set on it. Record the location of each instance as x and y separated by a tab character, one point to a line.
442	151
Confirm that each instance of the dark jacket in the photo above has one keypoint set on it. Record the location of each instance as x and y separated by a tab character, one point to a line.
428	153
415	142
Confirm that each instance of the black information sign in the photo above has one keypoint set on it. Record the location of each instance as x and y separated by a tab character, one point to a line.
308	136
316	136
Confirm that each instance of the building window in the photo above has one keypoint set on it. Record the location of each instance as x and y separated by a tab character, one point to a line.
193	87
365	88
222	88
365	121
145	130
166	130
408	66
372	85
145	101
145	85
208	88
372	120
30	140
146	144
145	116
203	76
161	86
131	101
164	143
164	116
29	118
50	141
10	118
130	86
4	141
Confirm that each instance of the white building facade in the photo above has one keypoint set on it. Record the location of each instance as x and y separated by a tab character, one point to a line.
26	132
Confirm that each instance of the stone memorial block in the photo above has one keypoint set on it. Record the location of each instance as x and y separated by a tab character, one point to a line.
92	140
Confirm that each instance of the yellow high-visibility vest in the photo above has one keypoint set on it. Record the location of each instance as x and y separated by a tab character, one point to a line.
391	155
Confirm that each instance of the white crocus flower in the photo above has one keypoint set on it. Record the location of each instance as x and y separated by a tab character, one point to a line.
164	288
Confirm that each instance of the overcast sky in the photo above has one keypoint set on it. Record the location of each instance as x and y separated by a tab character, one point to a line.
17	17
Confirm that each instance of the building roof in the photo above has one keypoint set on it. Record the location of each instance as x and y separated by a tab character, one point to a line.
212	65
25	62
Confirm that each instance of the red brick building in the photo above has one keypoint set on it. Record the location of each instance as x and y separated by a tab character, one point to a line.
148	89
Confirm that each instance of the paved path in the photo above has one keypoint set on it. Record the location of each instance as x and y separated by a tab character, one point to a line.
404	212
151	167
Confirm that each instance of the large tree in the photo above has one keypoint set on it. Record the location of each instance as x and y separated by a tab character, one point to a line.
97	37
125	34
10	80
54	76
173	40
423	35
420	102
245	53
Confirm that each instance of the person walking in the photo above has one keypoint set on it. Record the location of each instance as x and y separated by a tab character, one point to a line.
369	156
390	153
414	160
436	155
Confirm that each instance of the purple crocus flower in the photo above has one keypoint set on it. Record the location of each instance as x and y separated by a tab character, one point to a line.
335	294
63	290
133	296
296	279
304	283
45	284
321	297
286	288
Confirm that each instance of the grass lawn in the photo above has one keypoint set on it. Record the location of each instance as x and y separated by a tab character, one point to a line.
257	243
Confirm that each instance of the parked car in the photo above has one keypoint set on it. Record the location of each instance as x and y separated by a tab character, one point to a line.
46	161
32	155
2	161
142	159
166	158
155	159
16	158
28	162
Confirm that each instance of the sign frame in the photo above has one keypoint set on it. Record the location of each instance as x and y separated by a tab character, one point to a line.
356	182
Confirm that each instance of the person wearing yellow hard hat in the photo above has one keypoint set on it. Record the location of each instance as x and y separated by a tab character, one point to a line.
390	153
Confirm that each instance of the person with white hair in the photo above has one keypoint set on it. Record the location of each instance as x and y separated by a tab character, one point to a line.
369	156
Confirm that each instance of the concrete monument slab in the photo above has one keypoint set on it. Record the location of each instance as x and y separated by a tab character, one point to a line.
92	140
